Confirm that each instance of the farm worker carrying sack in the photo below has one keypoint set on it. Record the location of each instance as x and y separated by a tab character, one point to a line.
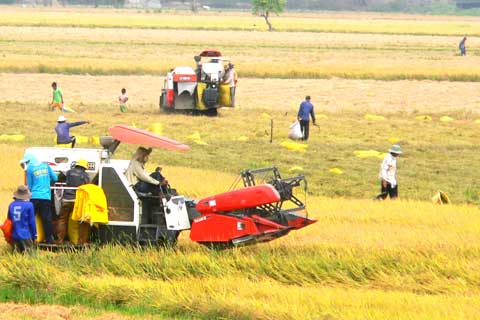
39	177
90	208
295	132
304	113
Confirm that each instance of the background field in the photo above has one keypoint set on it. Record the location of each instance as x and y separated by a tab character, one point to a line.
408	259
104	51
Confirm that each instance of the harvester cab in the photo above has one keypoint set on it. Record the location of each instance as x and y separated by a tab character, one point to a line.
201	90
132	216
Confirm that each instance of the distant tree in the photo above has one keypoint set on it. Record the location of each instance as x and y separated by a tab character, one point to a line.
263	8
194	6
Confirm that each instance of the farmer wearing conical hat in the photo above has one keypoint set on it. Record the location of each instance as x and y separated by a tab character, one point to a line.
388	172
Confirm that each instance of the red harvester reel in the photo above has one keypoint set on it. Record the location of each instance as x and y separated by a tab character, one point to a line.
265	209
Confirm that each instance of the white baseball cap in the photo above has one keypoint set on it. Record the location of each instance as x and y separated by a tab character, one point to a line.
61	118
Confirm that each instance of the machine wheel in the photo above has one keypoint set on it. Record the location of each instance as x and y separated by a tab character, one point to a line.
163	104
169	239
213	112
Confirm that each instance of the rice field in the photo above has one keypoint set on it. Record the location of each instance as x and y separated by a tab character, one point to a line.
345	23
416	261
375	79
107	51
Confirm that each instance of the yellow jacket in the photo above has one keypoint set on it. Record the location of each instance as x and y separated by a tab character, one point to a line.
90	205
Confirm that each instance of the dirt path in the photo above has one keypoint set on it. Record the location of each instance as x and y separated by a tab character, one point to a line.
13	311
331	95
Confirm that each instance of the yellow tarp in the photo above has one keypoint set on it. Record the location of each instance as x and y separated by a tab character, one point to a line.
446	119
374	117
75	229
295	169
40	232
81	139
366	153
321	117
12	137
195	137
94	140
242	138
156	128
265	115
294	146
224	99
90	205
424	118
336	171
200	88
394	140
477	121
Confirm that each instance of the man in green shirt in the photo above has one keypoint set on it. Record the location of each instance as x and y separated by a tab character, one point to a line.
57	98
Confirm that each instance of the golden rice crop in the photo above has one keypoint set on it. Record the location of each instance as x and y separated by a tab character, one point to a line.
281	55
373	23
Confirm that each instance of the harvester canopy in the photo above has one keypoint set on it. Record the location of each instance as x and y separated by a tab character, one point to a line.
132	135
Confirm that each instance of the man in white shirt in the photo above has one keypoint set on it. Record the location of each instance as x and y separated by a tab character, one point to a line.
388	171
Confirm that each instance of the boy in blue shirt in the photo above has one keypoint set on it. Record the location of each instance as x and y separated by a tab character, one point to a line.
22	215
39	178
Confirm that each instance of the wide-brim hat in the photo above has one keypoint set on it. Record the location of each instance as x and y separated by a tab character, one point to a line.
22	193
146	150
395	149
61	118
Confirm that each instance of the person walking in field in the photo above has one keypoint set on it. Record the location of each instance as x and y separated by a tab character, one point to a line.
22	215
304	113
74	178
462	47
57	98
388	172
63	130
39	178
231	80
122	100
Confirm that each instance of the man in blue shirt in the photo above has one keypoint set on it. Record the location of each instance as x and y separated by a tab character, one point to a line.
462	47
63	130
304	113
39	178
22	215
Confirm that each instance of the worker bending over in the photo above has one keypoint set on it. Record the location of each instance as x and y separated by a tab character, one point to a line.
63	130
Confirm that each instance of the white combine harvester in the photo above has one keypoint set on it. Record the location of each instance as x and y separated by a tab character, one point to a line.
265	208
199	91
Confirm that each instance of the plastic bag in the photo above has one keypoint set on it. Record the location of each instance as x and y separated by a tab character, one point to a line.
295	132
7	228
